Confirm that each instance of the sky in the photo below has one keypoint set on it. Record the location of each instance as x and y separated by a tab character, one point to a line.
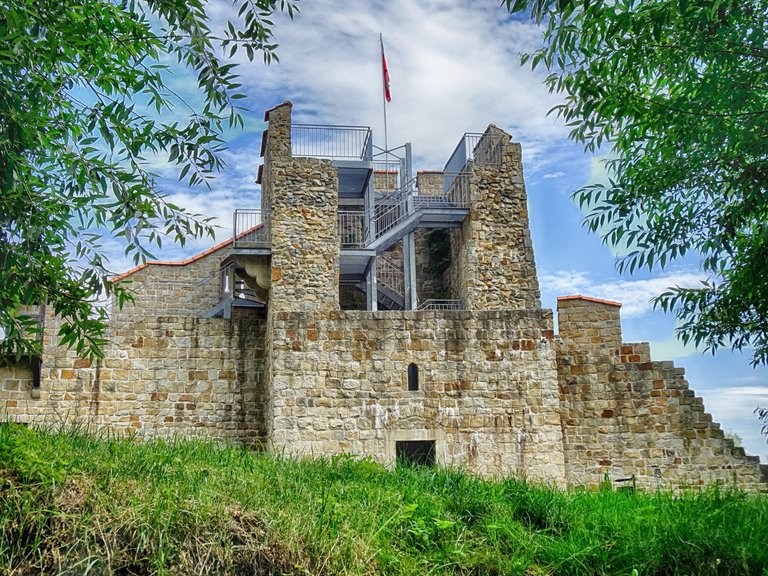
455	67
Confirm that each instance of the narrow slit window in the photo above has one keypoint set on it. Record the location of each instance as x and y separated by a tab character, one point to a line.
35	363
413	377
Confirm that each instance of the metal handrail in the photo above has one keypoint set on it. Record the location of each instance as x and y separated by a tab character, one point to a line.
462	153
251	228
227	280
394	208
352	229
391	210
483	149
389	274
442	304
457	194
487	151
231	285
331	142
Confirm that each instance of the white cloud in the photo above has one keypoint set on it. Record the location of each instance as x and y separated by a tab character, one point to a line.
597	170
634	294
672	347
454	68
567	282
733	407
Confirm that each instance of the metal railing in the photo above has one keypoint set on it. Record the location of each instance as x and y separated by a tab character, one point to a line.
457	195
352	230
231	285
332	142
389	274
462	153
487	151
251	228
483	149
394	208
227	281
435	304
390	211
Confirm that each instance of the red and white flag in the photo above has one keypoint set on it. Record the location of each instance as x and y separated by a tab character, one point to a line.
385	72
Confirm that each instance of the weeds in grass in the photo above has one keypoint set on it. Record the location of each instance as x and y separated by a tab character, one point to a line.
74	504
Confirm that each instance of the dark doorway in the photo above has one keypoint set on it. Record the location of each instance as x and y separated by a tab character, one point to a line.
416	452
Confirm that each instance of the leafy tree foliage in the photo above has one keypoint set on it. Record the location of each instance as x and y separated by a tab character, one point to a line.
677	90
83	101
762	415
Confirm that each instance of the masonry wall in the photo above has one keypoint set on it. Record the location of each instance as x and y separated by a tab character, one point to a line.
498	393
303	198
493	265
458	277
173	289
386	180
163	377
165	371
624	415
488	387
429	284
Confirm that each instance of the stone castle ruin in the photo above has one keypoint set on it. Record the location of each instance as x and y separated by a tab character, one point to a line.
359	310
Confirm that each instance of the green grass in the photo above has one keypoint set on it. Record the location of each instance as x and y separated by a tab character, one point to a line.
72	504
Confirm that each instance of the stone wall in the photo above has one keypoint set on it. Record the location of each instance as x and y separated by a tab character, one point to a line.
162	377
493	264
458	276
429	284
303	198
626	416
430	183
589	322
185	289
165	371
386	180
488	389
497	392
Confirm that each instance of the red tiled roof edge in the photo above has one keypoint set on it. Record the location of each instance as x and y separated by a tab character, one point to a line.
589	299
194	258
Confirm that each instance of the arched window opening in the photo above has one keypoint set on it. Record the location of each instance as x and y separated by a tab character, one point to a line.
413	377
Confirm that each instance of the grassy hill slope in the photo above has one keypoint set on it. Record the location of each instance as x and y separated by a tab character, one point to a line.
72	504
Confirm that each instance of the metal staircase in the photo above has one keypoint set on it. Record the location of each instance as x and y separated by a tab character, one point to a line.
401	212
366	235
380	205
390	283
